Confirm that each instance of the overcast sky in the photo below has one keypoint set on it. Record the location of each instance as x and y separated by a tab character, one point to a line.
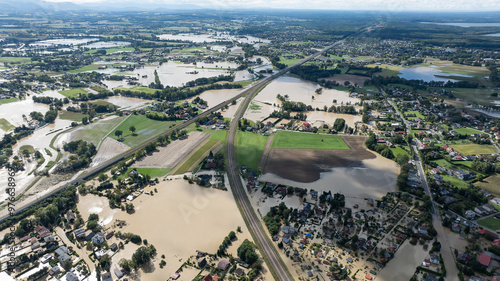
381	5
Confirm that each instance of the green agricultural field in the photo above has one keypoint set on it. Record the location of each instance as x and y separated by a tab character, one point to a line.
250	149
184	168
73	93
145	128
73	116
467	131
492	223
472	149
94	132
5	125
244	83
9	100
286	139
15	59
490	184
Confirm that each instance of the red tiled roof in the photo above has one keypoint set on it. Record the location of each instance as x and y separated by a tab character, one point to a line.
484	259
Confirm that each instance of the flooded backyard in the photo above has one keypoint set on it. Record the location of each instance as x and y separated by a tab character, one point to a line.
174	220
403	265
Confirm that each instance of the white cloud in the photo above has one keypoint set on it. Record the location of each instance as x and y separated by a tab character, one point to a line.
381	5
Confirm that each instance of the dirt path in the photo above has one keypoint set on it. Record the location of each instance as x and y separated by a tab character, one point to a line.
266	153
170	155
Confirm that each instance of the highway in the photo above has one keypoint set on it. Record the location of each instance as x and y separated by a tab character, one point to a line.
446	252
273	260
275	264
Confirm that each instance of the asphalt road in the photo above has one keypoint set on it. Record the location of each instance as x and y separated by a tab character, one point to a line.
442	235
272	257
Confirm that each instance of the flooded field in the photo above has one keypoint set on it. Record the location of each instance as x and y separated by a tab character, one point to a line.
13	112
110	44
356	172
126	102
92	204
427	74
61	42
403	265
214	97
176	74
330	117
299	90
200	38
185	211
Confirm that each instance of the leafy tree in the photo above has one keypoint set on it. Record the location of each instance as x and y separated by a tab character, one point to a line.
132	129
118	133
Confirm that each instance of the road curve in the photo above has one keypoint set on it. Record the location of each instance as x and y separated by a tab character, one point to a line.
273	260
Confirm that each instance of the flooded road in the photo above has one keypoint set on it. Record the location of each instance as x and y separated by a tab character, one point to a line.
403	265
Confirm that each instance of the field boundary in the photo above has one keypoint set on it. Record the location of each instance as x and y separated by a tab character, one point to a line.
267	149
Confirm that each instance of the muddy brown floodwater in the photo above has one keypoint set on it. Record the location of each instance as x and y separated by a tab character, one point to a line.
356	172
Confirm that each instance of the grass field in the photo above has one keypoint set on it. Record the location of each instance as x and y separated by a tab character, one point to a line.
91	67
73	93
467	131
145	129
5	125
14	59
96	131
492	223
481	96
73	116
48	152
152	172
285	139
416	113
250	149
288	62
184	168
139	89
399	151
490	184
244	83
28	147
219	135
455	182
472	149
9	100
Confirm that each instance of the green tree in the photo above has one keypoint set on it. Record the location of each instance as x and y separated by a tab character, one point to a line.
118	133
132	129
